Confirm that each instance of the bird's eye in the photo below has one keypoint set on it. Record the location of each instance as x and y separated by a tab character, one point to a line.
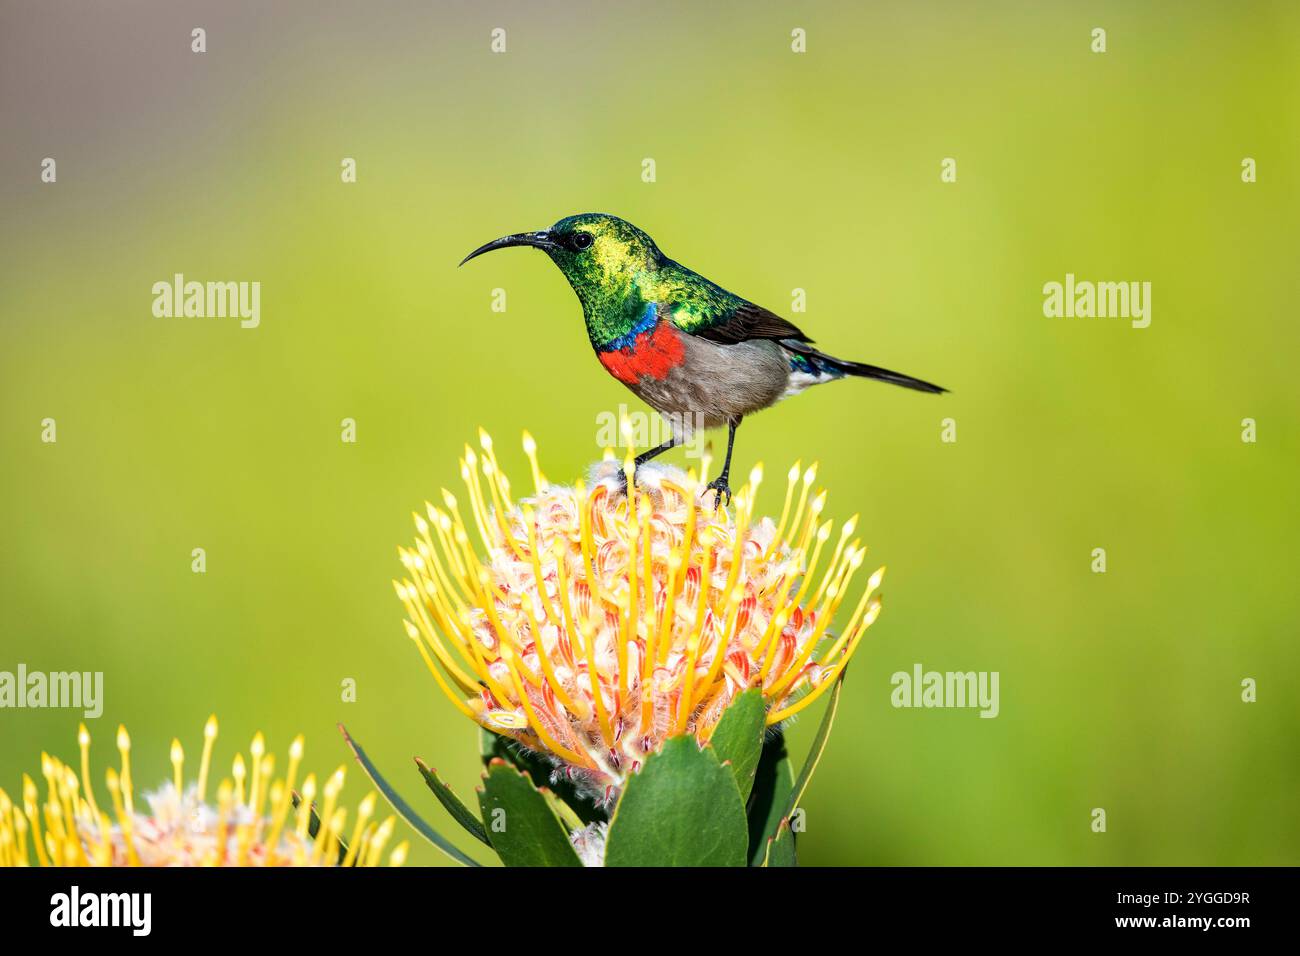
581	240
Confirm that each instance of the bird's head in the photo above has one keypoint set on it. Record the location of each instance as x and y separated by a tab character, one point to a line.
602	256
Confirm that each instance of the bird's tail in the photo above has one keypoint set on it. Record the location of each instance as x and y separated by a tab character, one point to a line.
829	366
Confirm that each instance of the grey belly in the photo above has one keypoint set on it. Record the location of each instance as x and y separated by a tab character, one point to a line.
717	383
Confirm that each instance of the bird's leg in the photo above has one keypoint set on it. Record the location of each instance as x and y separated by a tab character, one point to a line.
719	485
645	456
654	452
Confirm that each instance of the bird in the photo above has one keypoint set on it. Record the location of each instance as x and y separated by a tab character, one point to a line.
688	348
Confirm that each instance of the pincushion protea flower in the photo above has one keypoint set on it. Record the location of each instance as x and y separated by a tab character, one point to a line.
259	820
631	655
600	623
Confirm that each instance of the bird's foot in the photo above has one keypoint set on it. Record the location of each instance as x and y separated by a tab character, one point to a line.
620	481
720	490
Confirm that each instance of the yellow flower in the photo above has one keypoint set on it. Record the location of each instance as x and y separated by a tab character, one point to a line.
601	622
253	824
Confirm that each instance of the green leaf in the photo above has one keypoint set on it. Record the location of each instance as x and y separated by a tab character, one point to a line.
313	823
491	745
777	793
497	747
401	807
524	830
739	737
562	810
773	784
447	797
780	848
818	745
682	809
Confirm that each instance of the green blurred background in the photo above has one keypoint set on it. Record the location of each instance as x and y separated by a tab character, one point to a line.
774	171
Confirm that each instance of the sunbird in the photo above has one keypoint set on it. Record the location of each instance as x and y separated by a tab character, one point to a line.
685	346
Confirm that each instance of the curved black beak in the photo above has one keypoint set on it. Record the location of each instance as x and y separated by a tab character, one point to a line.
538	240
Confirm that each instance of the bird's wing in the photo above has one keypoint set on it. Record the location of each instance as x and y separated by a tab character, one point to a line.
701	308
744	322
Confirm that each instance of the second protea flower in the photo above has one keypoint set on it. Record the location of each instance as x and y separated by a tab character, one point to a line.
258	818
601	622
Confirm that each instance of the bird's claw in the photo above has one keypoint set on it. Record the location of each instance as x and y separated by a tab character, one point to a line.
621	480
720	490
